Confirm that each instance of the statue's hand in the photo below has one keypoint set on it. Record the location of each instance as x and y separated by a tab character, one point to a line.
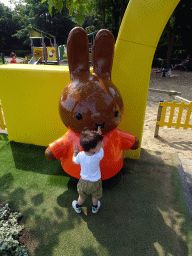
49	155
136	144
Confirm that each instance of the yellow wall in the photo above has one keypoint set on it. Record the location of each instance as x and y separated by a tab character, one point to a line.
30	97
30	93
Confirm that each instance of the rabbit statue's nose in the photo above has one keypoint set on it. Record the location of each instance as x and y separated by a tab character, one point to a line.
102	125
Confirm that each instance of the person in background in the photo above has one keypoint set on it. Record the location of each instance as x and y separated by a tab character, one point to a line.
14	56
184	64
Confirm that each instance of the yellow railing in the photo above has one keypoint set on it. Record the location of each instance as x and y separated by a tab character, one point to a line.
2	119
179	107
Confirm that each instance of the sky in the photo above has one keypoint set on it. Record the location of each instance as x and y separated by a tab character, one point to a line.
7	3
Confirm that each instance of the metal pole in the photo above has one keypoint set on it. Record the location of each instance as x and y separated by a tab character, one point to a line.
57	54
158	119
45	53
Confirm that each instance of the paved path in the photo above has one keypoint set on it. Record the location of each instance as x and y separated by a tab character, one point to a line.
187	167
185	171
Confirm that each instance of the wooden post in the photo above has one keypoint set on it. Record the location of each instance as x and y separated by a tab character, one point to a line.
2	121
2	57
158	119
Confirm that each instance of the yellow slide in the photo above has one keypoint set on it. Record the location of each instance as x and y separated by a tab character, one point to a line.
139	34
30	93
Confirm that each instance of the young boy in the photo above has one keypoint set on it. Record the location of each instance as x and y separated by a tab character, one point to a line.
90	182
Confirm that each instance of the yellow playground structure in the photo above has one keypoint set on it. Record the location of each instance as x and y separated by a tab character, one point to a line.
47	55
32	92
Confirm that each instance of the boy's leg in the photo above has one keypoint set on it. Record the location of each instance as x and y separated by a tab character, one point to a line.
77	204
95	201
80	200
96	205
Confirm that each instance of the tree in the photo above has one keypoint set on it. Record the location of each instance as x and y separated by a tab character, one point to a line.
175	39
36	14
8	26
77	8
111	11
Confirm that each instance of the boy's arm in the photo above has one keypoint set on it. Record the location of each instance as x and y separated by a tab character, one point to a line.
76	151
99	130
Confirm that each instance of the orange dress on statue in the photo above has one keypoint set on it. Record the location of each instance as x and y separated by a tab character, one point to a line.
114	143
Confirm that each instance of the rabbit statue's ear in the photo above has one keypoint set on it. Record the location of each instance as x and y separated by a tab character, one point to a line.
103	51
78	52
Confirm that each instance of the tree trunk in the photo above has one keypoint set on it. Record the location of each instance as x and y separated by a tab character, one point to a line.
115	19
103	14
170	42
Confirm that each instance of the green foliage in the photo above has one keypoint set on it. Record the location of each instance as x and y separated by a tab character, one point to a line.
22	53
58	17
10	232
77	8
177	29
8	26
36	14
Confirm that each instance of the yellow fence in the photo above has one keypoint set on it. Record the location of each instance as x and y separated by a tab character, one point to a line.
2	119
179	107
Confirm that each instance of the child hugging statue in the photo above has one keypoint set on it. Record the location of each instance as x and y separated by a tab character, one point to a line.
90	182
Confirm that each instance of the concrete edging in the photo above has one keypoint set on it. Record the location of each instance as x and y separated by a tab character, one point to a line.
186	190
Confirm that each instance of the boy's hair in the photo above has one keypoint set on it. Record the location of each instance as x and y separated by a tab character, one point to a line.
89	139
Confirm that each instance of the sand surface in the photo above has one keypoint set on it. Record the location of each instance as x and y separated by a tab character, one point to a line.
170	140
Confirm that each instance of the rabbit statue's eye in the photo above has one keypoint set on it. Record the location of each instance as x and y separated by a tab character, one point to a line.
116	113
79	116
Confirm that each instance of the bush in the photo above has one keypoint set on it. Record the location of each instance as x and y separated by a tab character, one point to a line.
10	231
19	53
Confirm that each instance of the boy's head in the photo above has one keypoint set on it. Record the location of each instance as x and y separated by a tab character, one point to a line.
90	139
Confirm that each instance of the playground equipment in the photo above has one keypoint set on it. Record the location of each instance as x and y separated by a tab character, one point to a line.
63	48
62	52
30	98
162	112
48	55
35	61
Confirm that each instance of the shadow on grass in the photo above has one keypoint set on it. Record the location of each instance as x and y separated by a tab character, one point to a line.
140	212
30	157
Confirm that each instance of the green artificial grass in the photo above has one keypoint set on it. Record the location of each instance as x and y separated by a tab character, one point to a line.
143	210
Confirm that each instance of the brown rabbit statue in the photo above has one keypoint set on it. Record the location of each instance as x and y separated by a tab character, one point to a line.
89	101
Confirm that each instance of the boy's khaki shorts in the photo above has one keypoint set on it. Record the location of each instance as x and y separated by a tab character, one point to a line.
86	187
